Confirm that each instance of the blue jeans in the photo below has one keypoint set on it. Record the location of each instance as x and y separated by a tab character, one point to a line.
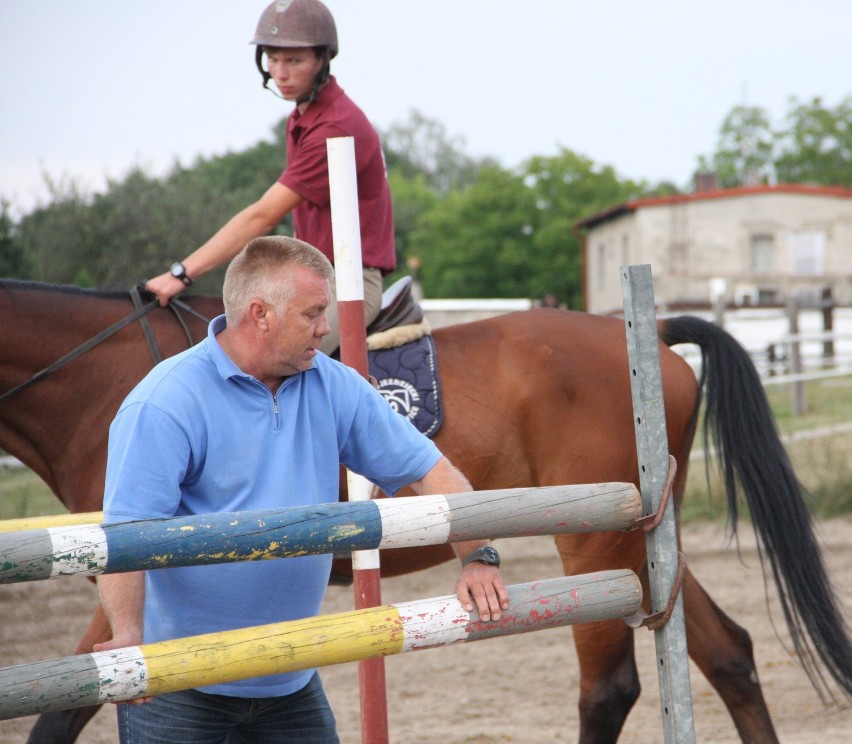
192	717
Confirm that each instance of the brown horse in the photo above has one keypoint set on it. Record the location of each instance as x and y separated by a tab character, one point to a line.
531	399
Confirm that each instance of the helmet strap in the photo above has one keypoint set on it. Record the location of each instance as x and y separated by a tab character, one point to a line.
258	60
321	78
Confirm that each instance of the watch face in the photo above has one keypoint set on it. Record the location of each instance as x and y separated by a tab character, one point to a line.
177	270
486	554
491	556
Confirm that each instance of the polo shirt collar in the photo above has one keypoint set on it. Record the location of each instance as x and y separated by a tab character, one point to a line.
224	364
327	94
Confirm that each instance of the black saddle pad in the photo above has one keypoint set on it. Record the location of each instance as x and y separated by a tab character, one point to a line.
407	377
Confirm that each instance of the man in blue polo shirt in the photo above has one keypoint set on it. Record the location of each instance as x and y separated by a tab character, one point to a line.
254	417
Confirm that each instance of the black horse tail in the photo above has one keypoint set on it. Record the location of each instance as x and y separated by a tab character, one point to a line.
739	423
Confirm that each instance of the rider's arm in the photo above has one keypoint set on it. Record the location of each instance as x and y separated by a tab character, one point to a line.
258	218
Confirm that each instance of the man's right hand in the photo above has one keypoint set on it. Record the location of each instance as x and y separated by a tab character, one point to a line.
165	286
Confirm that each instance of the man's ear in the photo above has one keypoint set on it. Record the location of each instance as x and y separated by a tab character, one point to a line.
258	313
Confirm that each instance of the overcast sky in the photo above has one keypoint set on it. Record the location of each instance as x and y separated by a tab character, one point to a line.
91	88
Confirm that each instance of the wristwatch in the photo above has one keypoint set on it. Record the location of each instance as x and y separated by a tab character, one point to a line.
486	554
178	271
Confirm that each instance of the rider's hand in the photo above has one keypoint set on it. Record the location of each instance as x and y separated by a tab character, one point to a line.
165	286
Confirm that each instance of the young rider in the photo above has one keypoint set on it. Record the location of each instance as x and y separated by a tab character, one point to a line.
295	42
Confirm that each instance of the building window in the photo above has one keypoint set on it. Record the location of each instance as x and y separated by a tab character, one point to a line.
762	256
602	267
807	253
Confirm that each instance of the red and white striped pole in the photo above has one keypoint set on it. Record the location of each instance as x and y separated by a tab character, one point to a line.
346	232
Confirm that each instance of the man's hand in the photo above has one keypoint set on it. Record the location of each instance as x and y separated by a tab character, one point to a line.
479	584
123	641
482	586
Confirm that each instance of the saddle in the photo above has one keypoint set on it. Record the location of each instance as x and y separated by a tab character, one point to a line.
399	308
403	359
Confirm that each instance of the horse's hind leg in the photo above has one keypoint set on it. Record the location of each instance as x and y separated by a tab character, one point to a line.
64	726
609	682
723	651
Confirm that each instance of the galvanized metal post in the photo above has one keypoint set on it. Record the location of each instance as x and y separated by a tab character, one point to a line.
661	543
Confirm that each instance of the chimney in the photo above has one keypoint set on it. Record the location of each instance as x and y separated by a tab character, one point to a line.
705	181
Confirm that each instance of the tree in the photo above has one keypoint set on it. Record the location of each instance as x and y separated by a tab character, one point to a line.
14	262
568	187
511	233
141	223
814	145
412	198
817	145
477	241
422	147
745	151
55	235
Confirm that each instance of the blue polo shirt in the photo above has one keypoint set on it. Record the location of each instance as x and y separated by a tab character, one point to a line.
197	435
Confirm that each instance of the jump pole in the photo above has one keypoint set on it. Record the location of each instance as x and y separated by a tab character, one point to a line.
52	520
349	279
661	546
197	661
339	527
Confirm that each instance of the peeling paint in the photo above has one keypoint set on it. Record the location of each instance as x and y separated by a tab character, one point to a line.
345	531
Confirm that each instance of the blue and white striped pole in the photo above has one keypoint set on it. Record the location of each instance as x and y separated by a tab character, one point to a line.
340	527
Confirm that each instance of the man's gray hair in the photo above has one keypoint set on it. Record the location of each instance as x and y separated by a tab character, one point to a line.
255	272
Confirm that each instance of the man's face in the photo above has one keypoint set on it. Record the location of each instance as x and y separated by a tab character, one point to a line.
297	332
293	71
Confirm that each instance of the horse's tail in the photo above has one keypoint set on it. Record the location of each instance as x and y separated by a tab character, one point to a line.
754	463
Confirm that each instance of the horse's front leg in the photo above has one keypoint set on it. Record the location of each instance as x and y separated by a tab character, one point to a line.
64	726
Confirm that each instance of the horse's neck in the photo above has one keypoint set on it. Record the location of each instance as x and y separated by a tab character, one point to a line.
58	425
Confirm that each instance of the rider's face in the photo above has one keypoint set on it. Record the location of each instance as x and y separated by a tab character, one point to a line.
293	71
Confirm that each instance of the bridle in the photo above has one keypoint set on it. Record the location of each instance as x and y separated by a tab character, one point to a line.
140	312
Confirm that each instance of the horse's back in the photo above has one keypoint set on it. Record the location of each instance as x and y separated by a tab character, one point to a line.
543	397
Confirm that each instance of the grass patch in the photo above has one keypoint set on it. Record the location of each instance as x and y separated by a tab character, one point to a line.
24	494
823	464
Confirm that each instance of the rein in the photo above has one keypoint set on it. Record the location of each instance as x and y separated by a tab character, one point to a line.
141	310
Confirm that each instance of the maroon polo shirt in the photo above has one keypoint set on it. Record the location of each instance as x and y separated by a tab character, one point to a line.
333	114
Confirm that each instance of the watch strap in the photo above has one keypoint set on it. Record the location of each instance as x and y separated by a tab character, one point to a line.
486	554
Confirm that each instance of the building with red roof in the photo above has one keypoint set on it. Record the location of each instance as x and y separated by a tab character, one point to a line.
756	245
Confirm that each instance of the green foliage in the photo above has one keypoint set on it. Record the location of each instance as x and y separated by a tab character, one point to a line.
567	188
412	198
477	242
745	151
140	224
14	261
421	147
817	146
511	234
814	145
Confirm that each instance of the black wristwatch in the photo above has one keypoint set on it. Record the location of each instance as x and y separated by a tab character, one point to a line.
486	554
178	271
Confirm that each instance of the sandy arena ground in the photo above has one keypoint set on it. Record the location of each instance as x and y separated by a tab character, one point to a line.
518	689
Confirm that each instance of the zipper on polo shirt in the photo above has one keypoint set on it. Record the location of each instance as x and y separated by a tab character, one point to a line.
275	408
